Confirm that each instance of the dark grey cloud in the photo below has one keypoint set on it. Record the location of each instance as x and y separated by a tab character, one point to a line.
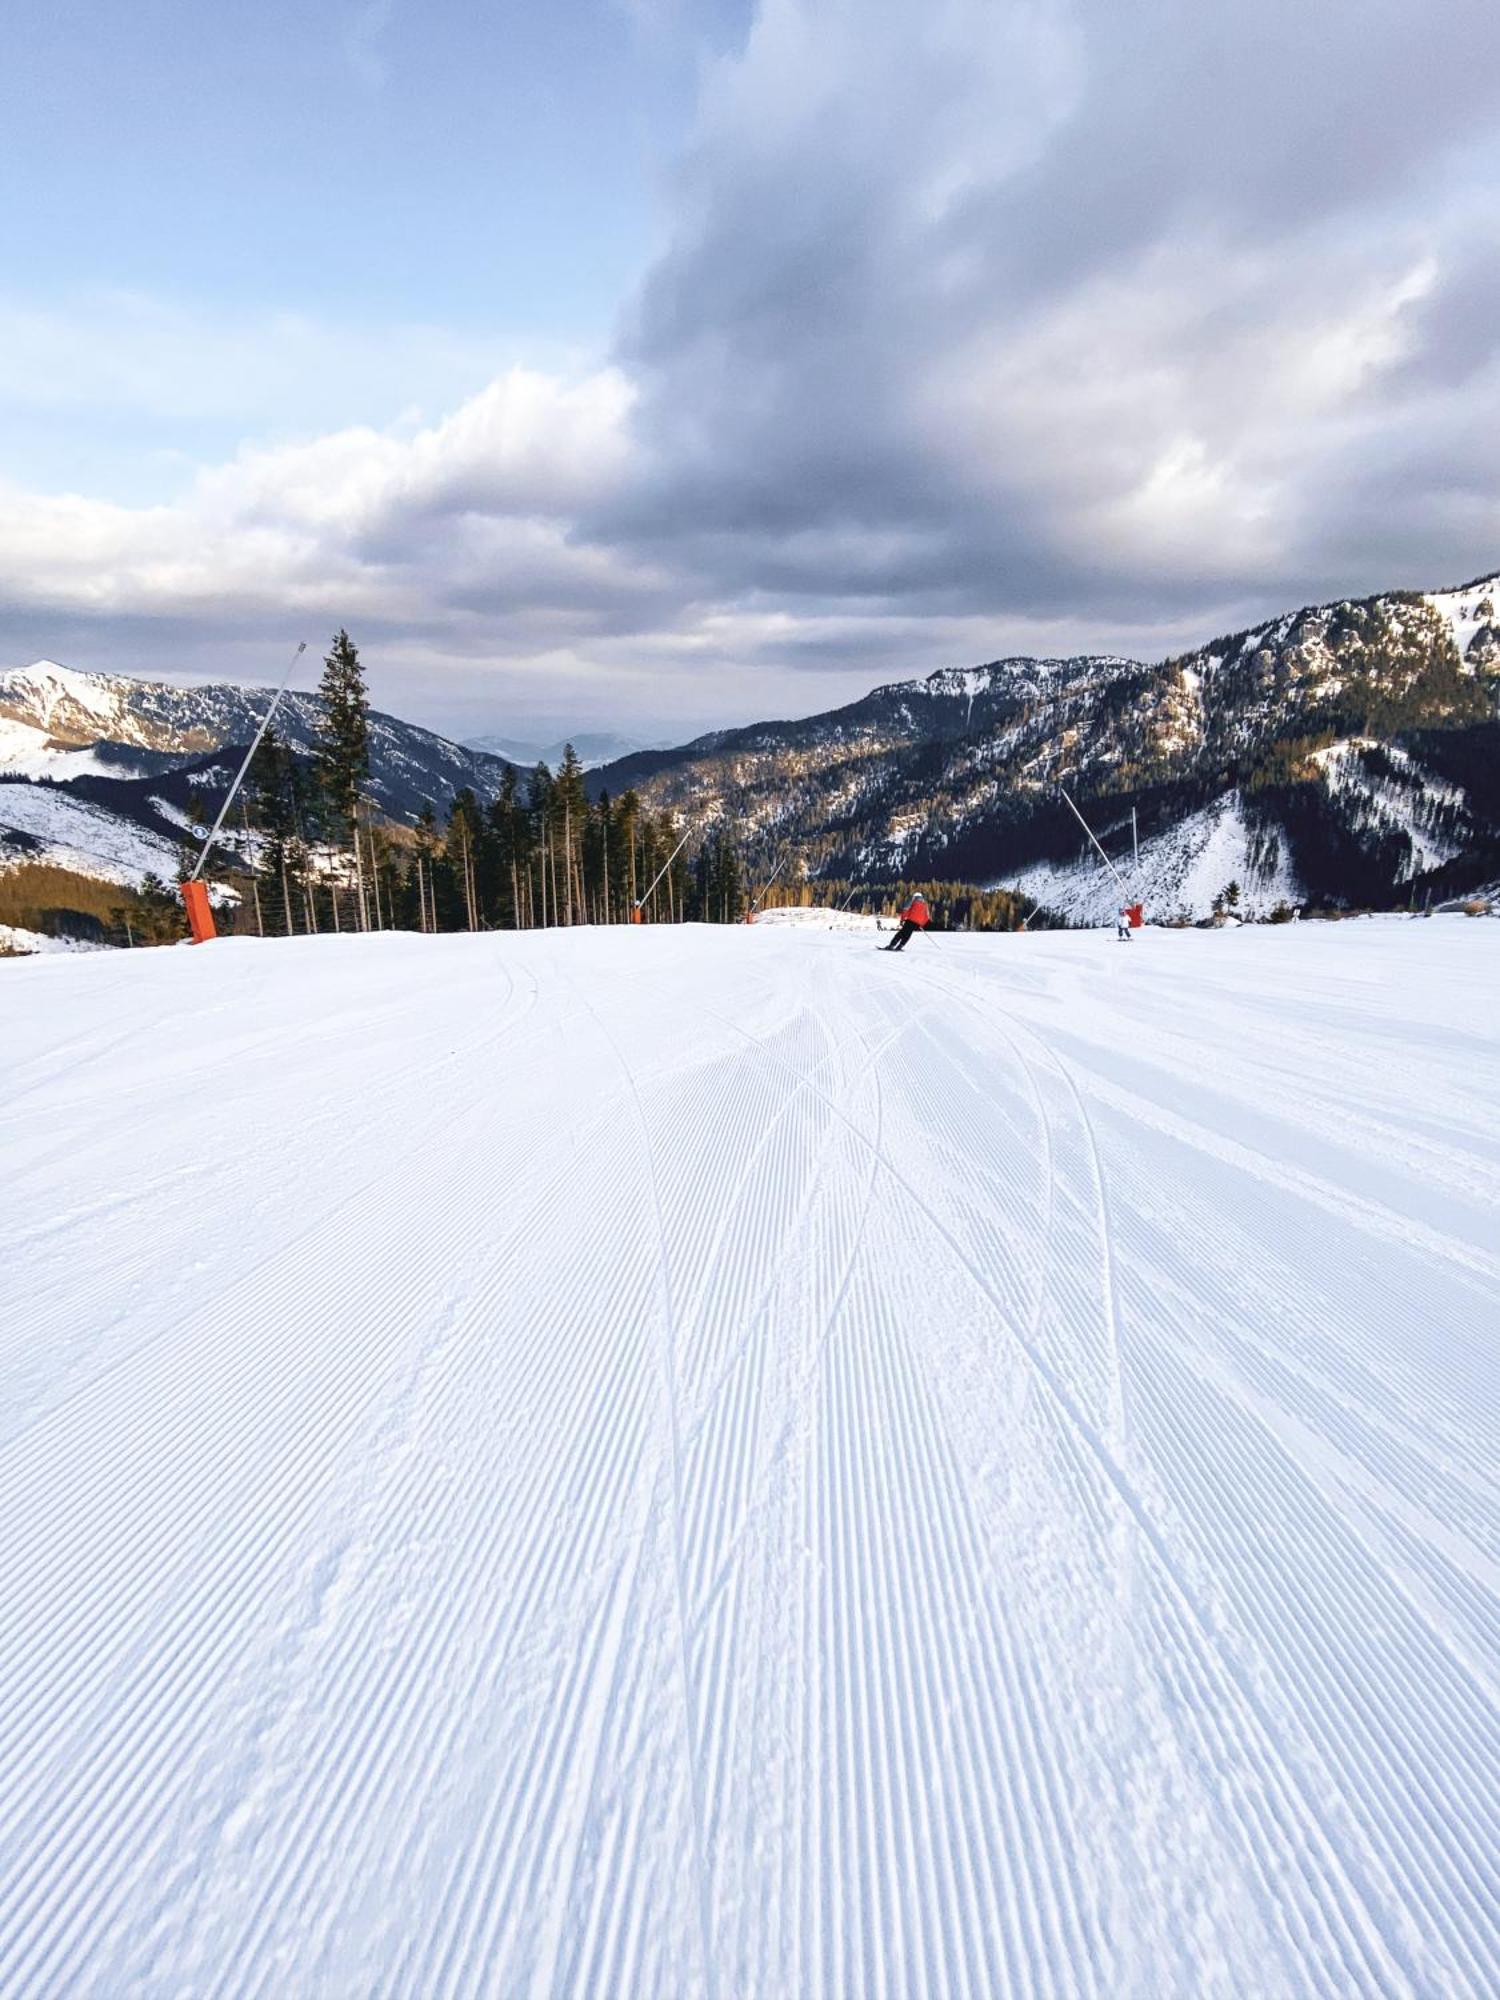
1251	235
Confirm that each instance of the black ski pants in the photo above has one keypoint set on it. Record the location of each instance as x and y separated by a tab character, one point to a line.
904	936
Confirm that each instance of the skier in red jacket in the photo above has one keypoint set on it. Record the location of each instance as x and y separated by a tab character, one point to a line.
915	917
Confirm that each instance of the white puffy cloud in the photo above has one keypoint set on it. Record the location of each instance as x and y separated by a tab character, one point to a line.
334	522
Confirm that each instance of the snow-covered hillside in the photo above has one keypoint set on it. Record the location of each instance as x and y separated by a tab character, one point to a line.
45	823
1472	616
693	1462
1178	876
30	752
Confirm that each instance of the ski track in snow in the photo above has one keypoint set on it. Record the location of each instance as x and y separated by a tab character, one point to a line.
683	1462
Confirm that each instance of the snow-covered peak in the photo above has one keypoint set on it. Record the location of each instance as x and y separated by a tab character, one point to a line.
68	705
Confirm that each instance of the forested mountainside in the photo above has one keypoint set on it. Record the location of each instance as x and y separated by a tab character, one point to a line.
58	723
1345	753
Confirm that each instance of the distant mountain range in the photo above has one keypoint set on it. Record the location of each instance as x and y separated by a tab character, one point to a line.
592	747
1345	753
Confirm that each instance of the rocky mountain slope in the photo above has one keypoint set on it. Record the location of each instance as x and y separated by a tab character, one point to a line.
1348	752
129	727
107	775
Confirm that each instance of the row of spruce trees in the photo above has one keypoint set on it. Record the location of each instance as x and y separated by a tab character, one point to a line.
316	856
540	853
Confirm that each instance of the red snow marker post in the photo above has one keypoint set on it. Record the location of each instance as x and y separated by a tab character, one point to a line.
199	915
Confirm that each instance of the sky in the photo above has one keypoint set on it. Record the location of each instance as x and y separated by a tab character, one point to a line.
661	364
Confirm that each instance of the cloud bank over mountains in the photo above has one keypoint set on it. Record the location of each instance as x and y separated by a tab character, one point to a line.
978	327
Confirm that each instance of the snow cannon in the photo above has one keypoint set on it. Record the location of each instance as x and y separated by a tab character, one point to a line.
200	915
635	914
1136	912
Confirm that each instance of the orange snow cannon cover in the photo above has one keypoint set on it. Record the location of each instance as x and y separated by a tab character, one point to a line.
635	914
200	917
1136	913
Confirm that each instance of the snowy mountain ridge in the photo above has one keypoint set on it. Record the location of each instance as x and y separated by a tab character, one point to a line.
73	708
83	758
958	776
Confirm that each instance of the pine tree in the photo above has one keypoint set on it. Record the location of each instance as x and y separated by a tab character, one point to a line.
270	785
344	746
718	880
427	847
464	856
571	805
628	828
508	830
542	793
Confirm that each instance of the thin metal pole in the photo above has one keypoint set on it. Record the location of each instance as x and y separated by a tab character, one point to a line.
1090	832
641	901
777	870
1135	841
239	780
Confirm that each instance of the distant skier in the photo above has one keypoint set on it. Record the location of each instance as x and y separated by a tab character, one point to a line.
1122	923
915	917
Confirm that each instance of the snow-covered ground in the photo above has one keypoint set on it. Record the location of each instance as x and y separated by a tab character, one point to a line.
676	1461
14	938
827	920
1180	872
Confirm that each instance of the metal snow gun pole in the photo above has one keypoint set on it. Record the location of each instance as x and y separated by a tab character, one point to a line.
194	891
1135	911
750	913
640	901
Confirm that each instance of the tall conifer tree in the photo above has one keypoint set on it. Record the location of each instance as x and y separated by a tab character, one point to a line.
572	806
344	744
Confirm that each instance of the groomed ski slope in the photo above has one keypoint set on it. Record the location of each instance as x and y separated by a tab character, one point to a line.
713	1462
